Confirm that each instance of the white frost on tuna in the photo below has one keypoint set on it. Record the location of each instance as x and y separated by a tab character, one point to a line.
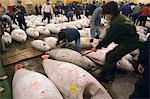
32	32
100	55
40	45
68	55
32	85
72	81
43	30
19	35
7	38
51	41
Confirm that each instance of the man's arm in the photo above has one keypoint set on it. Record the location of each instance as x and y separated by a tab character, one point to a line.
114	33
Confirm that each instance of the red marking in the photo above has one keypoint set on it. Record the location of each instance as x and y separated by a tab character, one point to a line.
35	85
45	57
18	66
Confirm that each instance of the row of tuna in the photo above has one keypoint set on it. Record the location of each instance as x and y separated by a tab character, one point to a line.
66	81
21	35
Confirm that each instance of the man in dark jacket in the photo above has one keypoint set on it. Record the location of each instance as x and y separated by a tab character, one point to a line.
142	89
121	31
40	9
21	12
69	35
78	11
36	9
91	8
126	10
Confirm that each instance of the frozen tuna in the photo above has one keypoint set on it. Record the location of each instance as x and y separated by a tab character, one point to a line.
40	45
100	55
32	85
51	41
43	30
7	38
72	81
32	32
19	35
68	55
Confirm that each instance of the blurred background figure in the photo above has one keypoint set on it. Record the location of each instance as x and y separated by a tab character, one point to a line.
126	9
40	9
95	23
20	14
135	13
47	11
78	11
69	13
36	10
144	13
142	89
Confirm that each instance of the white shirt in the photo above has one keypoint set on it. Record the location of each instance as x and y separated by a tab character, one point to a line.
47	8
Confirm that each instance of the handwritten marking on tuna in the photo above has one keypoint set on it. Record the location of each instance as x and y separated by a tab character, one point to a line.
36	85
73	88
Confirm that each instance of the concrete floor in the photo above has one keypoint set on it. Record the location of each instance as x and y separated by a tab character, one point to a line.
121	87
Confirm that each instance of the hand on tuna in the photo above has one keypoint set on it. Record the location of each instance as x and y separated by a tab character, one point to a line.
93	49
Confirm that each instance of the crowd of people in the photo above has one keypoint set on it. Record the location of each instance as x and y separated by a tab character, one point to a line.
138	13
122	17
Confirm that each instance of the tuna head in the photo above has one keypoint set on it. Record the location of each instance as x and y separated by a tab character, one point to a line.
40	45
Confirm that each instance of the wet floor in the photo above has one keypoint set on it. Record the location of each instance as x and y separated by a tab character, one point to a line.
121	87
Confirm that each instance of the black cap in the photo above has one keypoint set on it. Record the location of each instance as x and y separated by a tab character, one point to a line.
111	8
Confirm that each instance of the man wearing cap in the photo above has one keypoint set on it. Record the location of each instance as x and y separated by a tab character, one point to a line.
121	31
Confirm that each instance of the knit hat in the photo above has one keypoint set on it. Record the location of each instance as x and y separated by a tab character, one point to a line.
111	8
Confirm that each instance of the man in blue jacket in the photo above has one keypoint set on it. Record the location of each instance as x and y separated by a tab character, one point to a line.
69	35
95	23
21	12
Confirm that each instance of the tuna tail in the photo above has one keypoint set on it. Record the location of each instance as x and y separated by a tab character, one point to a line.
18	66
45	57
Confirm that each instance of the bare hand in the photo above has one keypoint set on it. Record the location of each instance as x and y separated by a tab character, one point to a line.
93	49
140	69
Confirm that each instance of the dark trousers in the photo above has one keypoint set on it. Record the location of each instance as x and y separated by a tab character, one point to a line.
47	15
78	16
70	18
141	90
142	20
37	12
135	17
116	54
21	22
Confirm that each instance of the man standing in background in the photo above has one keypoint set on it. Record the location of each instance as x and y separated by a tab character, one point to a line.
20	13
40	9
36	9
135	13
95	23
47	10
